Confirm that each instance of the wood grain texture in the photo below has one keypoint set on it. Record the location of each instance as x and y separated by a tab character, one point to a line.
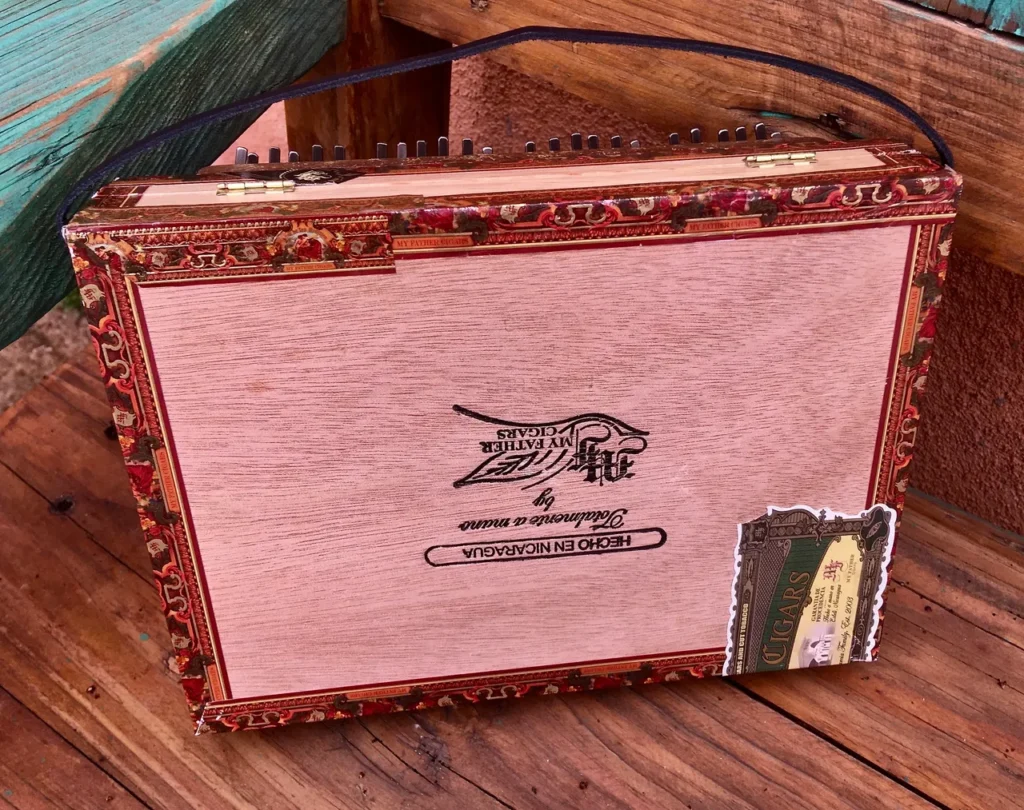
660	746
1006	16
485	181
665	747
985	574
58	440
702	354
399	108
108	692
40	771
933	724
80	81
1002	15
83	645
971	94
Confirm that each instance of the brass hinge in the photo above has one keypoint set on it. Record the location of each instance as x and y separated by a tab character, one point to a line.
780	159
255	186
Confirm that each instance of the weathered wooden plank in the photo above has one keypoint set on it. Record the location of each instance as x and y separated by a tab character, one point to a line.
974	570
971	93
40	770
121	70
1006	16
924	725
81	644
980	545
401	108
973	11
943	709
76	383
691	744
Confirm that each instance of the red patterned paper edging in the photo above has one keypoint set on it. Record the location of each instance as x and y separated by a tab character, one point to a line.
110	260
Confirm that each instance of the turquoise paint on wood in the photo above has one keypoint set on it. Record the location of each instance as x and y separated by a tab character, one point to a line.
1007	15
35	142
997	15
81	80
54	56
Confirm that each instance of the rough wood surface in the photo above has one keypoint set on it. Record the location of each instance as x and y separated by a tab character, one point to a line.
60	439
1006	16
971	92
79	82
399	108
938	722
40	770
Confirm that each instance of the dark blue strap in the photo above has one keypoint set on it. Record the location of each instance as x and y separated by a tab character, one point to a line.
477	47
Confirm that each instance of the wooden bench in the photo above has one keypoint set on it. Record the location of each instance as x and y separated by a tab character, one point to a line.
81	81
91	715
966	81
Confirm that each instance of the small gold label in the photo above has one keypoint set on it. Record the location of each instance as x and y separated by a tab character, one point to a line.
910	321
430	241
213	677
370	694
305	267
608	669
163	466
714	224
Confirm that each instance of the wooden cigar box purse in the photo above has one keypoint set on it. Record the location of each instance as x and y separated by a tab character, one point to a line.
429	430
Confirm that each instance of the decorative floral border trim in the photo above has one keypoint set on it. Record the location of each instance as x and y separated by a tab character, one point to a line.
110	259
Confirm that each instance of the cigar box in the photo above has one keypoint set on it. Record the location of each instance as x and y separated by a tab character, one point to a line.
430	430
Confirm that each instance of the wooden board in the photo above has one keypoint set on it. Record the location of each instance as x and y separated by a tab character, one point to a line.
1006	16
91	662
400	108
399	475
86	487
40	770
116	70
243	471
971	94
935	723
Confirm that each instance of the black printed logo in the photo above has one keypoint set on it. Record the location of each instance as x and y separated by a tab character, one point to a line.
598	447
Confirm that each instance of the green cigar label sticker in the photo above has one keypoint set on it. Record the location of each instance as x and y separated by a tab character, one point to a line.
808	588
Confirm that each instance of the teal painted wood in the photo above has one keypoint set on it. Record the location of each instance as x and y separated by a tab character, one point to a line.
81	80
997	15
1006	15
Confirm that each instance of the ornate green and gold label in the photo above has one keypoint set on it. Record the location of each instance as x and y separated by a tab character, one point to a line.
808	588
